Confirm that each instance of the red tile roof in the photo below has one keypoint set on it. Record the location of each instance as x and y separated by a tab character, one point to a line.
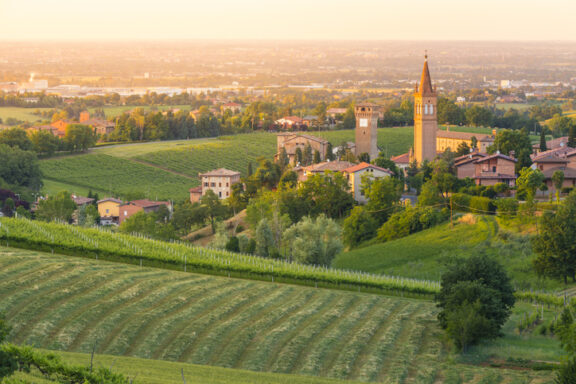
364	165
220	172
401	159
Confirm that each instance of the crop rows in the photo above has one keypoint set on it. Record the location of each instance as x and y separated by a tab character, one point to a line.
97	242
74	304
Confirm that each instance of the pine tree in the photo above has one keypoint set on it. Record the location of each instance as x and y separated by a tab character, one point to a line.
316	157
571	138
329	152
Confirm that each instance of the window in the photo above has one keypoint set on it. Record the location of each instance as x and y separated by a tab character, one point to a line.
107	210
227	193
125	213
431	109
212	184
220	194
220	184
227	185
494	168
425	109
206	184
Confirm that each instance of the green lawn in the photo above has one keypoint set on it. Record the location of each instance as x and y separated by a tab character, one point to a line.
423	255
71	304
24	114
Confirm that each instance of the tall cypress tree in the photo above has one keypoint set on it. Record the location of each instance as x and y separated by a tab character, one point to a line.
542	141
571	138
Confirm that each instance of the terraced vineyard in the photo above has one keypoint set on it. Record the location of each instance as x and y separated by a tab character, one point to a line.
74	304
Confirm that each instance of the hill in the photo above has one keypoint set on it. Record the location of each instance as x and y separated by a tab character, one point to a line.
423	255
73	304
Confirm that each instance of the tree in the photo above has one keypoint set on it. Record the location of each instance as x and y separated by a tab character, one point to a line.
463	149
543	147
329	152
382	194
215	210
19	168
567	372
314	241
476	297
316	157
508	141
8	364
327	193
283	159
44	142
364	157
560	125
265	244
528	182
571	137
478	116
57	207
558	181
298	157
79	137
358	227
16	138
555	245
186	215
307	156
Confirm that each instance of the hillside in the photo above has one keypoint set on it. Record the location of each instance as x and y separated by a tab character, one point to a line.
422	255
73	304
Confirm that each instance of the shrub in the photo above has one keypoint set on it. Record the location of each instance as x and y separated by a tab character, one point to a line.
481	205
411	220
507	207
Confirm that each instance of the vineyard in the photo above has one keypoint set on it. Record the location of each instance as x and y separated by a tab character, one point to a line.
78	305
135	249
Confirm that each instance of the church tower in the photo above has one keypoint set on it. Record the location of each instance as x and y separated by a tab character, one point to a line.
366	129
425	119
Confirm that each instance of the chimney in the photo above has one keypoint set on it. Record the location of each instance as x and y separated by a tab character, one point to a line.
512	154
448	128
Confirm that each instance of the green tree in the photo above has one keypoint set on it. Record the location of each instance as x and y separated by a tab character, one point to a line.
567	372
283	159
79	137
478	116
329	152
476	296
265	244
316	157
307	155
57	207
186	215
358	227
572	136
328	194
383	194
349	119
215	210
463	149
558	181
543	141
364	157
44	142
560	125
555	245
19	168
528	182
16	138
314	241
508	141
8	364
298	157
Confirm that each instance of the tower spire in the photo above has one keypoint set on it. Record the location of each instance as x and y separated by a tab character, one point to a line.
426	81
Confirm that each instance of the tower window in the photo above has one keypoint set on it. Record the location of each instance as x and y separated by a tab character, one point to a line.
431	109
425	109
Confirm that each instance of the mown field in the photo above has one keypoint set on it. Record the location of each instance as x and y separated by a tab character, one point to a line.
72	304
24	114
424	254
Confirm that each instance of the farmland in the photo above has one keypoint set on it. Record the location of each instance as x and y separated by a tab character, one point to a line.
422	255
75	304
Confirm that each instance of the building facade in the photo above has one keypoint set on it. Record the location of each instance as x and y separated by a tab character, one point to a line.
220	181
425	118
290	142
354	176
367	129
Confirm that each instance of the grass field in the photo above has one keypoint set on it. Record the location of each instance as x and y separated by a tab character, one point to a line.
71	304
423	255
24	114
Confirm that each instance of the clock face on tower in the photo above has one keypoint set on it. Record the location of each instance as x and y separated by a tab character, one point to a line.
364	123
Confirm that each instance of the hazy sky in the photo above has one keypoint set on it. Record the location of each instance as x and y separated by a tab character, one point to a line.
289	19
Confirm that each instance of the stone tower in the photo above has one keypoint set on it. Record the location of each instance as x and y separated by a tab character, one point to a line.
366	129
425	119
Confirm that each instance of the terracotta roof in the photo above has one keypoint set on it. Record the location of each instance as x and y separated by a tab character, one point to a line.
469	156
220	172
495	156
401	159
144	203
335	166
364	165
110	199
426	88
309	137
460	135
558	152
552	159
79	200
196	190
554	143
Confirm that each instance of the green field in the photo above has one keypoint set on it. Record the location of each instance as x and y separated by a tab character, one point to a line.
73	304
424	254
24	114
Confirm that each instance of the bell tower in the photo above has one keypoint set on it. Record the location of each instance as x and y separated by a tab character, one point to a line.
366	129
425	118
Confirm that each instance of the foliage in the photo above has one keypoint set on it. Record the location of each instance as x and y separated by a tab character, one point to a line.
358	227
528	182
314	241
79	137
383	195
555	244
187	215
509	141
567	372
475	295
558	181
150	224
507	207
56	208
19	168
327	194
214	208
409	221
15	138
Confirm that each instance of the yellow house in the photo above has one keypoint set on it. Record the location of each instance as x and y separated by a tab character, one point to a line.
109	207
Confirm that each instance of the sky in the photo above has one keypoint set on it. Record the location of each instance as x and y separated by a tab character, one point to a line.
500	20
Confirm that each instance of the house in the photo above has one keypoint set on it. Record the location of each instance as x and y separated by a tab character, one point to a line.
49	128
497	168
466	164
551	144
402	161
220	181
195	194
234	107
132	207
62	124
100	126
109	210
452	140
289	122
309	120
563	158
292	141
320	168
354	176
82	201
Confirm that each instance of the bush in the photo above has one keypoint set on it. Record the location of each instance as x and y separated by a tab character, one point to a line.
411	220
481	205
507	207
567	190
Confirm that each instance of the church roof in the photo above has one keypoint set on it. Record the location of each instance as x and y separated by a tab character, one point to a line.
426	88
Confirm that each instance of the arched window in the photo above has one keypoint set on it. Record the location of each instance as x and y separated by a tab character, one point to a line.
431	109
425	109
